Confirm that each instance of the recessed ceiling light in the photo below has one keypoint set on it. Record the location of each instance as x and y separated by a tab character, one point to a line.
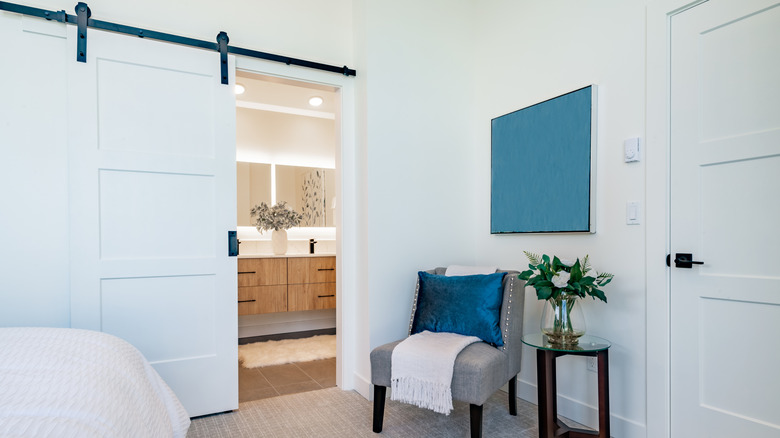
239	89
315	101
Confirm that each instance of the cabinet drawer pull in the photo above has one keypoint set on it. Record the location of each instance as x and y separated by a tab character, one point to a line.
246	301
247	272
325	296
326	269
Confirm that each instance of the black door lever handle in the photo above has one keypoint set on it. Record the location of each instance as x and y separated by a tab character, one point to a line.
683	260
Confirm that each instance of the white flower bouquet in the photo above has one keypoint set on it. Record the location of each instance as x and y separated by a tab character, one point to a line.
551	278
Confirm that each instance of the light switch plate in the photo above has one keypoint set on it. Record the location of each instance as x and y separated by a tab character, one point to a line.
631	150
632	212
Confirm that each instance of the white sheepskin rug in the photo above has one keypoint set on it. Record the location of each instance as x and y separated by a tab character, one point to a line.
266	353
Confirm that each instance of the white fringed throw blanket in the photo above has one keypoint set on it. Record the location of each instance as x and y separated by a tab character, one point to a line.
422	367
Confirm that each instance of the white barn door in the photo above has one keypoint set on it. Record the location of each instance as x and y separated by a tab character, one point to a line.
725	166
151	134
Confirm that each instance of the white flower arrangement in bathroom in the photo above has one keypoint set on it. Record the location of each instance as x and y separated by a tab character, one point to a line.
278	218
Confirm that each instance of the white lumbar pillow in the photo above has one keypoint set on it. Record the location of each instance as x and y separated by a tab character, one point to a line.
456	270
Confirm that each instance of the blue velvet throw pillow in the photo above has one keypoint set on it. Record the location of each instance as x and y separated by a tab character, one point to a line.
468	305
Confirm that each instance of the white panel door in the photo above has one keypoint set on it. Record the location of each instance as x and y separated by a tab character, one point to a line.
725	166
33	173
151	135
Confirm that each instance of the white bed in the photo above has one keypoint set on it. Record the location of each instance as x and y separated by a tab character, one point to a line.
78	383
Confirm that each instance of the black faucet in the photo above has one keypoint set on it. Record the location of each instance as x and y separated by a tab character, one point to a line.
311	245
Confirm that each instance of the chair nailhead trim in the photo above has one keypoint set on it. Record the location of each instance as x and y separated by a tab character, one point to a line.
414	305
508	311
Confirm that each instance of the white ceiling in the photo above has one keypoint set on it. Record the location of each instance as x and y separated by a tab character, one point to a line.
283	95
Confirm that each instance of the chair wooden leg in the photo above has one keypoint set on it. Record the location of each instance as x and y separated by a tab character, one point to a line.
476	420
379	407
513	396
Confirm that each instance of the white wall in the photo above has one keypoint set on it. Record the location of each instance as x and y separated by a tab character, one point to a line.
419	165
531	51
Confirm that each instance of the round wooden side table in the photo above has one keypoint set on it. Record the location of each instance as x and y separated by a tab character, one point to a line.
549	424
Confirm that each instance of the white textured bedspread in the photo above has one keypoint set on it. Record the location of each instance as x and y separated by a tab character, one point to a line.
77	383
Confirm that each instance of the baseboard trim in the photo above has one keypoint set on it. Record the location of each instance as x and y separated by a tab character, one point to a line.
291	335
363	387
583	413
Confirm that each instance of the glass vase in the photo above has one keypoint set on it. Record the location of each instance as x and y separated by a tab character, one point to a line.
562	320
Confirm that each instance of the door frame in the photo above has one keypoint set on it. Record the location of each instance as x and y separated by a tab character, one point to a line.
346	217
657	193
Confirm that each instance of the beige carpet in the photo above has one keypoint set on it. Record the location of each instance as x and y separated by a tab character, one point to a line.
261	354
338	414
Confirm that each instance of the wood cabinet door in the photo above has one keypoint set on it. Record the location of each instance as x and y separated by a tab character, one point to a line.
311	296
311	270
262	299
262	272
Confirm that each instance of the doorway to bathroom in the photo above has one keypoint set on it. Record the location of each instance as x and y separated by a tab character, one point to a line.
287	141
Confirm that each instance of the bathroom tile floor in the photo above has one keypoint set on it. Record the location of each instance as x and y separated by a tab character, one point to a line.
291	378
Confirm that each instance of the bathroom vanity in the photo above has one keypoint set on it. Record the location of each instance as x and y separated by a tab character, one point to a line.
290	283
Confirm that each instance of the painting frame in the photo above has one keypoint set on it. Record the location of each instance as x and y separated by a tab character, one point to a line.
543	166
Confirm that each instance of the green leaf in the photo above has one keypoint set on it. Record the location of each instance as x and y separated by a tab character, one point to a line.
533	258
525	275
585	264
546	259
576	273
544	293
604	278
599	294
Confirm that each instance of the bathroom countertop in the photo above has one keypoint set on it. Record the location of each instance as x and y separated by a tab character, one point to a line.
272	256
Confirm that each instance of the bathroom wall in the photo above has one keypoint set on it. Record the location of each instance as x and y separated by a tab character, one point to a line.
271	137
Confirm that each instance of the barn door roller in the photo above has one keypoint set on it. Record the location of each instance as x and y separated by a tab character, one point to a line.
222	43
82	17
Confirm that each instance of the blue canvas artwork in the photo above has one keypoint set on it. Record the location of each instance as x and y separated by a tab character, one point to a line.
542	162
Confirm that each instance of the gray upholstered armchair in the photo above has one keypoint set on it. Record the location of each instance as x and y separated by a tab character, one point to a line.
480	369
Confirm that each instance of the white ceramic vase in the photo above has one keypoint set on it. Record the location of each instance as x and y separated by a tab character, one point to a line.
279	241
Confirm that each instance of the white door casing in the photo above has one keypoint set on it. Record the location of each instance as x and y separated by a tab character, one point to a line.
151	135
725	156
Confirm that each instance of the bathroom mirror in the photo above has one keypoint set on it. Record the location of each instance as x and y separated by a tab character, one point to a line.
308	190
